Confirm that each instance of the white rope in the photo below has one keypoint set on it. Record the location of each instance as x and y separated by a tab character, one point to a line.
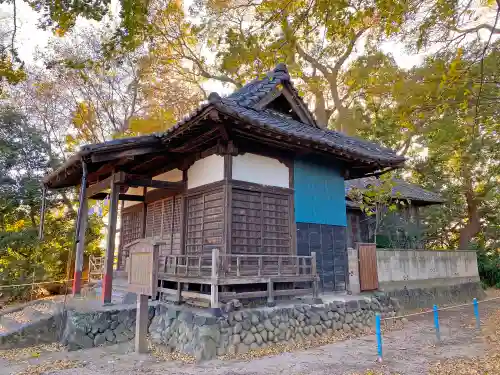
439	309
40	283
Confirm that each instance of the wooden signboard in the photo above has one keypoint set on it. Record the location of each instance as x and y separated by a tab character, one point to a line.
142	267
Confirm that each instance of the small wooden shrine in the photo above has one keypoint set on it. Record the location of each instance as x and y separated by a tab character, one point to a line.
244	198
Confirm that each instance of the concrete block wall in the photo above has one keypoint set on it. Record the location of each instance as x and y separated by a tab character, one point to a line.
421	278
353	266
421	268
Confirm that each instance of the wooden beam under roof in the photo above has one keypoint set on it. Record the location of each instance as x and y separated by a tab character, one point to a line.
120	154
137	181
122	197
194	143
117	178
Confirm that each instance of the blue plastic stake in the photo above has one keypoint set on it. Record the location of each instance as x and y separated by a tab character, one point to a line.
476	313
378	332
436	322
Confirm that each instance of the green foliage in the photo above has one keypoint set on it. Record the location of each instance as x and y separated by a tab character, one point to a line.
23	160
377	200
489	268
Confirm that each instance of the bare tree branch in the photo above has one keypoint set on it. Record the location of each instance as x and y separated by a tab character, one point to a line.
477	28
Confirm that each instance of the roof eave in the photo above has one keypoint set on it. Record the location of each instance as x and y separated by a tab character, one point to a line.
320	146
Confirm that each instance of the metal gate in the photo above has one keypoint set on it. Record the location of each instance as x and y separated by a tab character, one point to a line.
368	278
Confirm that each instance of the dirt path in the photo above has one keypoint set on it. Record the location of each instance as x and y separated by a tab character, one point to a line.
409	351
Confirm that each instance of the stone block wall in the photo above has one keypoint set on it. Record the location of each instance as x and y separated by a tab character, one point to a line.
420	297
42	331
88	329
206	337
422	278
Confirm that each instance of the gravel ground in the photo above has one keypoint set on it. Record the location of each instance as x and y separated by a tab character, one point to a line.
410	351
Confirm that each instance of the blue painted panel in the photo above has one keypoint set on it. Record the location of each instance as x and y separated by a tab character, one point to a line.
319	192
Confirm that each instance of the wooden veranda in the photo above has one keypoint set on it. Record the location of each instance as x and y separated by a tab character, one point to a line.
231	269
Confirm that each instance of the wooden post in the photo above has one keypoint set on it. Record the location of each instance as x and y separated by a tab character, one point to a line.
81	221
314	274
214	288
144	213
141	324
110	245
270	293
42	213
178	299
120	245
80	247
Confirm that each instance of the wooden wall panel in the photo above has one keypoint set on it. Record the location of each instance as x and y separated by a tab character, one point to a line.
163	222
131	231
260	223
205	223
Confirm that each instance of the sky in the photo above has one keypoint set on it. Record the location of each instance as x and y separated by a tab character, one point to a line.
29	37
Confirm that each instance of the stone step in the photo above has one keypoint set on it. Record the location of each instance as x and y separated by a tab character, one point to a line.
15	320
9	324
44	308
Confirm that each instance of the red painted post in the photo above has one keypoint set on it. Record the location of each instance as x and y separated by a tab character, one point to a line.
107	284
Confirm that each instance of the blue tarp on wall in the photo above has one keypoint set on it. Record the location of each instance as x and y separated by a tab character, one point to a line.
319	192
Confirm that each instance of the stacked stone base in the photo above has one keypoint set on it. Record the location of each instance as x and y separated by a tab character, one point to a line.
206	337
89	329
197	333
42	331
422	296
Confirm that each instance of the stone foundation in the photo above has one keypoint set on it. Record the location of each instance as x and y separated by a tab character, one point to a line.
414	296
205	336
42	331
88	329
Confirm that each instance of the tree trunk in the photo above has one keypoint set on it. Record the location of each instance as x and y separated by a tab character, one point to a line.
342	112
320	109
473	226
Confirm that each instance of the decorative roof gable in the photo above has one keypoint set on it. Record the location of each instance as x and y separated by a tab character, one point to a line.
274	92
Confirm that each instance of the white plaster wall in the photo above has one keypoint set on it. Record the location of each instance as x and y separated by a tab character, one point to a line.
260	170
133	191
206	171
174	175
416	265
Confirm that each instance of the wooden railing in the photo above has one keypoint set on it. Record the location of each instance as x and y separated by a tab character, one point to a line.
96	269
187	266
239	265
232	269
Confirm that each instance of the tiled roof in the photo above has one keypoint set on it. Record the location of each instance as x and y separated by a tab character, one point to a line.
243	104
250	94
338	142
401	189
